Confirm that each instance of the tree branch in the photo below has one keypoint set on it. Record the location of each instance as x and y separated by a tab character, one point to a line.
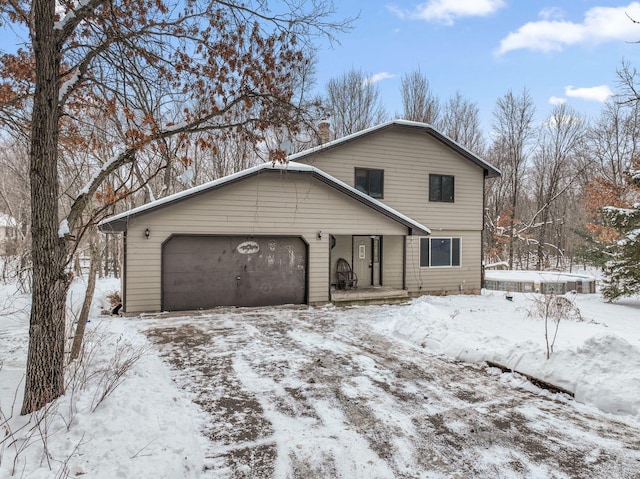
128	155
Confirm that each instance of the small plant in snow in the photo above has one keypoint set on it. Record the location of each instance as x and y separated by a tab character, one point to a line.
551	309
124	358
114	299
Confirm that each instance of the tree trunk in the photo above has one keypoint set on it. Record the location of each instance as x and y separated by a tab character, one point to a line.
542	235
106	257
88	298
44	380
512	227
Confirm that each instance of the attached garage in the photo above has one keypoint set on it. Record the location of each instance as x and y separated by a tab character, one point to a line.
206	271
264	236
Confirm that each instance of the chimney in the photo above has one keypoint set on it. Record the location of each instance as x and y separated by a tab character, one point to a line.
324	132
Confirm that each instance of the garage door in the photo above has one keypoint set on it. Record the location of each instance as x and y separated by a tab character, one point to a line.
201	272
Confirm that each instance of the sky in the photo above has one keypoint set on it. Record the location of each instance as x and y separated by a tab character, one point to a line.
560	50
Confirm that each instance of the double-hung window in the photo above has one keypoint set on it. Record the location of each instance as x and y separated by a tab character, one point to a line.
370	181
439	252
441	188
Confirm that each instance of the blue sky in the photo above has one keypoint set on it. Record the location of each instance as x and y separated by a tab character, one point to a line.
560	50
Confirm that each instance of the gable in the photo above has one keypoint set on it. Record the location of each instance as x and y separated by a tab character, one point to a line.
265	191
268	204
312	155
407	157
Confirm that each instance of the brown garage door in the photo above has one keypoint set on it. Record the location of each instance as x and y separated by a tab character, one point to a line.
201	272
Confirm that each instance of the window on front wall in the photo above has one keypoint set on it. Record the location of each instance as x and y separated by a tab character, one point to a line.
441	188
370	182
439	252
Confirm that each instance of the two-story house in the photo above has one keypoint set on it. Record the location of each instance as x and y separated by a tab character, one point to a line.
400	202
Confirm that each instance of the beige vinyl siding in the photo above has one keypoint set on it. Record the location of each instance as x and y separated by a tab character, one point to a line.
440	280
392	261
407	158
342	249
288	204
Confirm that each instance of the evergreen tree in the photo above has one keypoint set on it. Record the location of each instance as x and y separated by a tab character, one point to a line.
623	270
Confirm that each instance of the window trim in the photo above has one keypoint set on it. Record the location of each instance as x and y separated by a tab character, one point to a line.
453	188
368	170
451	264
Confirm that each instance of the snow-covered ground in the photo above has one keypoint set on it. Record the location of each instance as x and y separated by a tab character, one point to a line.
326	392
597	359
146	428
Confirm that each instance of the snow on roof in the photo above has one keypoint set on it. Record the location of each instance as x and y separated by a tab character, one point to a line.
288	166
415	124
535	276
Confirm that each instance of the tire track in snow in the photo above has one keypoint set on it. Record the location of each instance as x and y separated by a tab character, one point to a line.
300	392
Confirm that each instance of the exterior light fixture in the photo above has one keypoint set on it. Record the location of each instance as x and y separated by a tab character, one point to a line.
147	233
319	235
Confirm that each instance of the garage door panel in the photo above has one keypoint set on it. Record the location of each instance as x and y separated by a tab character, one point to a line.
202	272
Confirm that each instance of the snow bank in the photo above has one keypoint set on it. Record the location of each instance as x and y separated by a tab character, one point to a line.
146	424
597	359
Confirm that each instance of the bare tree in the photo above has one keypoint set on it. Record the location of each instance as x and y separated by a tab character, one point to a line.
460	121
215	57
418	100
614	140
513	131
555	170
353	103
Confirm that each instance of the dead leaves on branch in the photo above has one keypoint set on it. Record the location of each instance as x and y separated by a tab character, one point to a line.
17	75
109	196
600	194
211	53
136	73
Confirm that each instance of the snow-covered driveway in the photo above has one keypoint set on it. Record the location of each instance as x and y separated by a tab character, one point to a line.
296	392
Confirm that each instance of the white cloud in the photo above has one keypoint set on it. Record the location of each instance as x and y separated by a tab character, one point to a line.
375	78
557	100
447	11
596	93
551	13
600	25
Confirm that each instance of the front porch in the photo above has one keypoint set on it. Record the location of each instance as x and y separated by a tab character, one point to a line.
369	295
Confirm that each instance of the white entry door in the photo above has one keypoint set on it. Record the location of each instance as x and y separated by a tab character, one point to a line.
366	260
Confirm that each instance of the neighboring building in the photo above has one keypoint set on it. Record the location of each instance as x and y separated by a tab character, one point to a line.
546	282
8	234
402	203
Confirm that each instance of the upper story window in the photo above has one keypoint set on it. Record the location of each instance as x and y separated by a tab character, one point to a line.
441	188
439	252
370	182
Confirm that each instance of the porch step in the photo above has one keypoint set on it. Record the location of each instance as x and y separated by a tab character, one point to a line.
365	296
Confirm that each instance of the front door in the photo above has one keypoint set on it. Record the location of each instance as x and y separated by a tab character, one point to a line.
366	260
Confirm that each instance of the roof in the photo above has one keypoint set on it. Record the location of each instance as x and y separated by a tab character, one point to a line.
118	223
490	170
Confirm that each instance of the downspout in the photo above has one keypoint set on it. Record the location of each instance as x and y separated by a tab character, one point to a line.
404	260
124	272
484	206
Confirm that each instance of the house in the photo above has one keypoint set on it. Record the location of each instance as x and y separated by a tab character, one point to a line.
401	202
8	234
